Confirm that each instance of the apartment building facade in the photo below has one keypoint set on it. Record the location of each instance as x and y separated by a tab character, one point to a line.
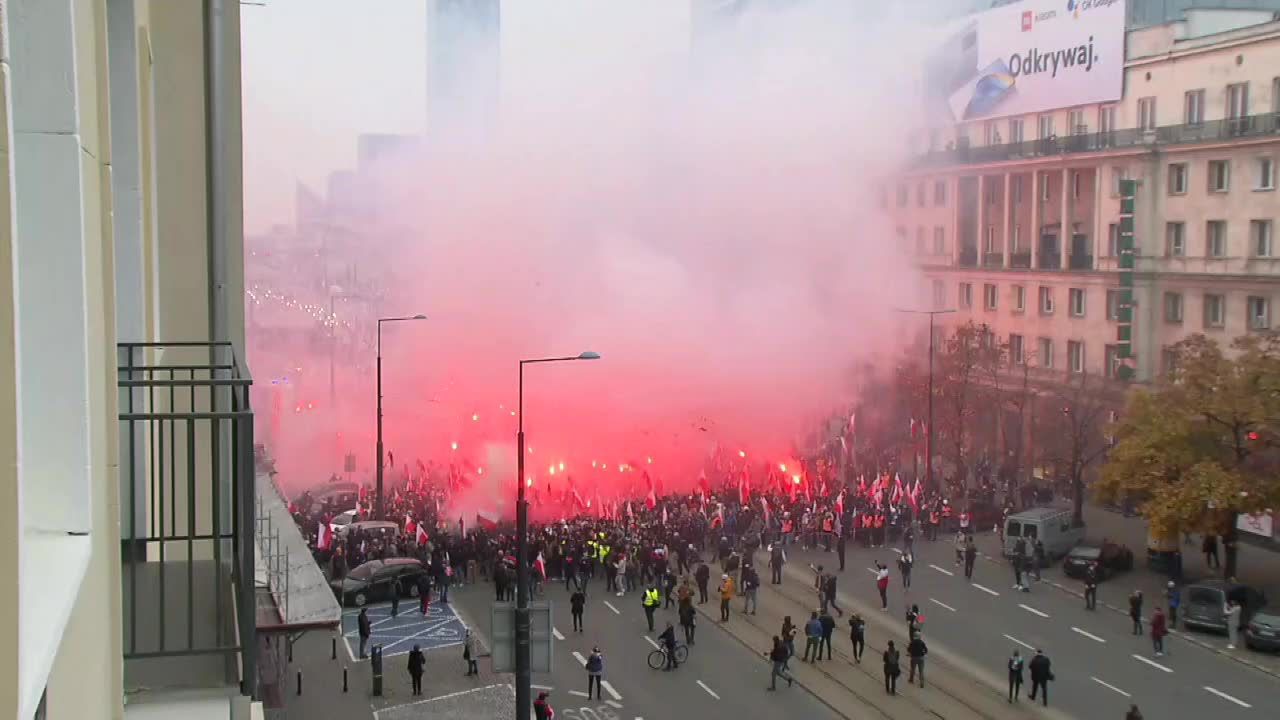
1015	221
120	215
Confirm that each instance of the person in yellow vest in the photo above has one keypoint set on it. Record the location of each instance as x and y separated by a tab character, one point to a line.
650	601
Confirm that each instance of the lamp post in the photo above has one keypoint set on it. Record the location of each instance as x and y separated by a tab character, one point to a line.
378	508
524	674
928	442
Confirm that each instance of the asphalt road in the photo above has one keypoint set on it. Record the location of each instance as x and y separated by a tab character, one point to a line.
1100	666
720	679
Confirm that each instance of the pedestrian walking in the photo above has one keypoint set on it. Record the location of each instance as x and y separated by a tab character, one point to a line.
424	593
469	653
1210	548
1173	597
812	638
687	616
1135	611
892	669
1041	674
542	709
395	600
905	563
366	629
789	638
1091	587
916	650
1231	613
914	620
1039	557
777	558
578	604
1015	675
1158	631
882	584
1017	560
417	665
750	584
828	627
858	636
650	603
840	549
829	593
595	671
970	557
702	576
726	596
778	656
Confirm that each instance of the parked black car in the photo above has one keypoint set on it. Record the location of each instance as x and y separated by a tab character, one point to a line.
377	580
1262	632
1204	604
1108	559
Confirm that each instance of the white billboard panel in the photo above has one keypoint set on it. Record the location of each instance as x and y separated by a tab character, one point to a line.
1028	57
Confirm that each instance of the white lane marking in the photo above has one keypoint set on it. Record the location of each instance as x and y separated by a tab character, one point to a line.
710	692
613	704
579	693
1029	647
1110	687
939	602
1089	635
578	656
1033	611
541	687
615	610
651	642
1227	697
1152	663
556	632
944	571
898	551
609	689
985	589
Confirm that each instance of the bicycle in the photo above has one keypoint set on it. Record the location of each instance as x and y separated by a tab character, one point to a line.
658	657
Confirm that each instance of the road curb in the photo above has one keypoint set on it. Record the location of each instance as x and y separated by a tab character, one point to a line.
1190	639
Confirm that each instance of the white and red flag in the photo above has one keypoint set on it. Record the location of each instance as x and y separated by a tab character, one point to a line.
421	535
324	536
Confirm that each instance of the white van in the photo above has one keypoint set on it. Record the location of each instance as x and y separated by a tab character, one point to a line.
1051	526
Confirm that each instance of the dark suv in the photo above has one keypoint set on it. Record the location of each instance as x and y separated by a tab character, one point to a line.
377	580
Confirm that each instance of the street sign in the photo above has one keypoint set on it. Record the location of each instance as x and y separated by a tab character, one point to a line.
502	633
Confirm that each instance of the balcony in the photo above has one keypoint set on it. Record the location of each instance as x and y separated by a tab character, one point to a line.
1050	261
968	257
993	260
1264	125
1080	262
186	518
1020	259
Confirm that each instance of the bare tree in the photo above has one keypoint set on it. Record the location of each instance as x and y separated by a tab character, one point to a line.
1079	433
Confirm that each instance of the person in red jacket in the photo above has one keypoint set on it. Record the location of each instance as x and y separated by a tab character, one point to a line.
1159	628
542	709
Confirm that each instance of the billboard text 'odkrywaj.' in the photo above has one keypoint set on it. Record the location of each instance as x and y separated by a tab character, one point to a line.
1028	57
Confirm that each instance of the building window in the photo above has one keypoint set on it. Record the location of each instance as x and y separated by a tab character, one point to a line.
1019	298
1193	110
922	245
1117	177
1113	239
1113	304
1016	351
1215	238
1266	174
1173	308
1177	178
939	294
1017	236
1168	360
1046	301
902	196
990	296
1237	100
1260	237
1147	113
1075	122
1175	239
1075	184
1215	311
939	193
1044	186
1015	130
966	295
1075	299
990	135
1259	313
939	240
1219	175
1045	125
990	246
1107	118
1111	359
1046	353
1017	189
920	195
1075	356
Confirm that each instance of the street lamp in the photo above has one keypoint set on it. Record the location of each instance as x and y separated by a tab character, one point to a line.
524	674
378	509
928	442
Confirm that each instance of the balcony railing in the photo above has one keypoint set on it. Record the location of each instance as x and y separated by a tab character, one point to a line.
969	257
1267	124
1050	261
187	516
1080	262
992	259
1020	259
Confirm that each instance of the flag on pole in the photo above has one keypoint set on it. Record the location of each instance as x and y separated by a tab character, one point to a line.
764	505
664	514
421	535
324	536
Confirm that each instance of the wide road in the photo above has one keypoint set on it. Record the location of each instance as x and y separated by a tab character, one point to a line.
721	679
1100	666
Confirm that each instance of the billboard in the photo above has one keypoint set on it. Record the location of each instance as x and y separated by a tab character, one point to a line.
1024	58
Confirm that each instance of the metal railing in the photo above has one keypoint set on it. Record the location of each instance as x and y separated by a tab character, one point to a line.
968	257
187	514
1020	259
992	259
1266	124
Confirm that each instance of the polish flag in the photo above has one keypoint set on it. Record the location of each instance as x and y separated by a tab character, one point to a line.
421	535
630	513
664	514
409	525
703	484
764	505
487	522
540	567
744	487
897	489
840	505
324	536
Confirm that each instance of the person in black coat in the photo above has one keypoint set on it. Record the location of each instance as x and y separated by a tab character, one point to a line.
417	664
703	576
892	669
366	629
916	650
1041	674
577	603
1015	675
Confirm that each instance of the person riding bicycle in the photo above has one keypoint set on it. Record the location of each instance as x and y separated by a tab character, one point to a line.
668	638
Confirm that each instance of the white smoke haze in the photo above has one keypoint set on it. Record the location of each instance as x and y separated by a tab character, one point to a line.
703	211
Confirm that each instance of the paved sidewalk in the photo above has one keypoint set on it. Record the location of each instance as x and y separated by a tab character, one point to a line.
1257	566
852	690
322	692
